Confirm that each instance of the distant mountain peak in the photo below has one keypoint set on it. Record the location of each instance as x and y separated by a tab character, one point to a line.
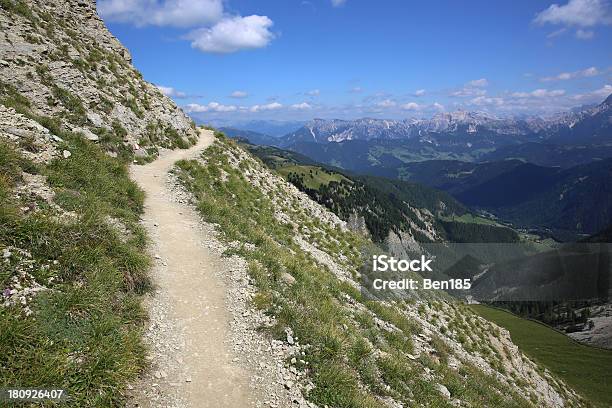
474	129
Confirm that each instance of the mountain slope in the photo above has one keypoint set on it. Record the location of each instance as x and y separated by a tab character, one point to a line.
454	176
552	154
588	126
74	266
574	200
382	207
579	200
60	62
355	352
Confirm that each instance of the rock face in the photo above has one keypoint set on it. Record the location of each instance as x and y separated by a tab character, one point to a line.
59	60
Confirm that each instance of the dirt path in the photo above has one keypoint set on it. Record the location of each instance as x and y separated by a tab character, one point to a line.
192	362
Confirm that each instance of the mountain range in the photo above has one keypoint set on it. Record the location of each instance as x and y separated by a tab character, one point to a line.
548	173
274	128
471	128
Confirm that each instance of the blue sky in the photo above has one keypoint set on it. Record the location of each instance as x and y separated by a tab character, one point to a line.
286	59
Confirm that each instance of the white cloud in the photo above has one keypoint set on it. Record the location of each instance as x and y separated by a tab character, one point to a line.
438	106
171	92
233	34
467	91
386	103
564	76
419	92
539	93
314	92
239	94
266	107
581	13
338	3
597	95
411	106
479	83
211	107
216	32
584	34
605	91
301	106
472	88
356	89
556	33
589	72
483	100
176	13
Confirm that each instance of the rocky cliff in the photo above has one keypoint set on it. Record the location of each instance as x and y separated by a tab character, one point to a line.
58	61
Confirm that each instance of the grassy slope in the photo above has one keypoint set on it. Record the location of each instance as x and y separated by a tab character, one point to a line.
341	360
85	332
314	176
472	219
587	369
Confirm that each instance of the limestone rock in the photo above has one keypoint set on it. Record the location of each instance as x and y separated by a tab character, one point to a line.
99	87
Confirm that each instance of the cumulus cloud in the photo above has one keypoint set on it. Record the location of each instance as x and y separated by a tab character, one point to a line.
210	107
215	31
171	92
585	34
266	107
175	13
576	13
472	88
301	106
484	100
411	106
438	106
539	93
468	91
478	83
595	96
233	34
581	13
386	103
239	94
556	33
419	92
338	3
564	76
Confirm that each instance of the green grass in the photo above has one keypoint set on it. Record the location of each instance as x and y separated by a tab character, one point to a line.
85	332
472	219
586	369
314	177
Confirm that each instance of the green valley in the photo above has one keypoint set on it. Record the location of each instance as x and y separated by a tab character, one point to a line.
585	368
